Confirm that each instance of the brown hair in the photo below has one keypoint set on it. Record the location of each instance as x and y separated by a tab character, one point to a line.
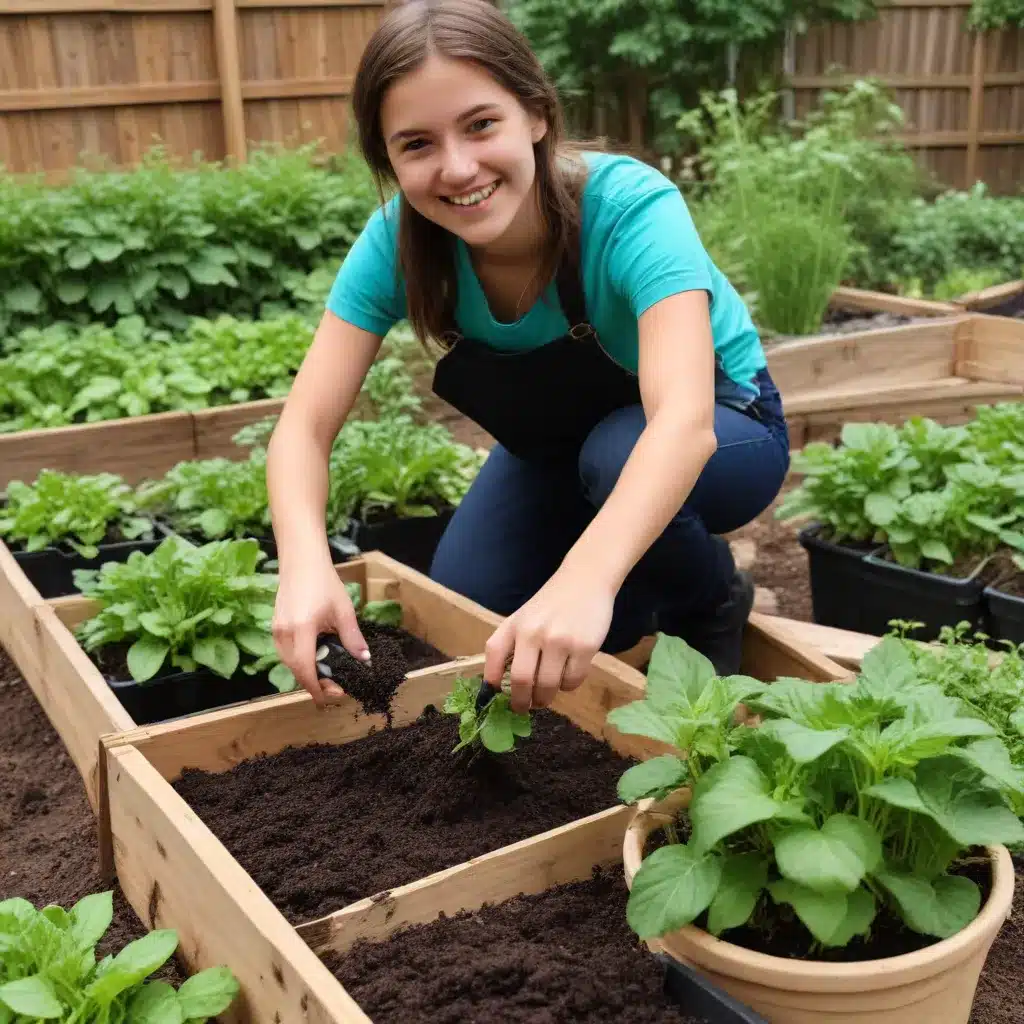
476	31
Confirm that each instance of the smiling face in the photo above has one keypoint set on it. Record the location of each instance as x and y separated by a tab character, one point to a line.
462	151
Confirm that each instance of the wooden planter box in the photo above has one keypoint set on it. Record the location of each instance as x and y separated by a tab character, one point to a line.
136	448
83	708
863	300
942	369
177	874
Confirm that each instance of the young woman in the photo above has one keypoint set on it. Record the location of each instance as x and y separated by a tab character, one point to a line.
583	326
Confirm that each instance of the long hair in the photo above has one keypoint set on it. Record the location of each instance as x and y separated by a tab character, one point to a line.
472	30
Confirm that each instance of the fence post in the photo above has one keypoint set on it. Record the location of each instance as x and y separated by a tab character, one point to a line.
225	30
976	105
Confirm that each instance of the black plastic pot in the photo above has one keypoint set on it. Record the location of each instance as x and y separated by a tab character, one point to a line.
186	693
51	571
698	997
1004	615
862	591
411	541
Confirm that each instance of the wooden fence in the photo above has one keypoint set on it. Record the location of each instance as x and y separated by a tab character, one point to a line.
962	93
110	77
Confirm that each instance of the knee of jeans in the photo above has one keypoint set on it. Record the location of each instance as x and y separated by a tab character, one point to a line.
606	450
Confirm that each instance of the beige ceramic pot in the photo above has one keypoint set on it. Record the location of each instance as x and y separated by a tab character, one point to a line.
934	985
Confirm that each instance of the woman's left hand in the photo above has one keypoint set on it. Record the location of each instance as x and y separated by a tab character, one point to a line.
551	639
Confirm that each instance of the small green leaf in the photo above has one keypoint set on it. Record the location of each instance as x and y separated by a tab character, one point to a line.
937	551
822	913
641	718
208	993
881	509
802	743
24	298
155	1003
145	657
677	674
834	859
214	522
217	653
282	679
71	291
654	778
942	908
744	876
255	641
673	886
91	917
860	912
32	997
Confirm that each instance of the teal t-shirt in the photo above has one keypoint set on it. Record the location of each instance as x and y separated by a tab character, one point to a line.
639	245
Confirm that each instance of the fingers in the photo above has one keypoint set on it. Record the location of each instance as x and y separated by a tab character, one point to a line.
525	659
497	651
550	672
347	627
297	648
576	668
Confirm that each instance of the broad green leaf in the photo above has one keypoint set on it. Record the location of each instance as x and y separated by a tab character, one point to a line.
677	674
888	666
71	291
674	885
217	653
728	797
496	733
937	551
57	916
32	997
744	876
148	954
641	718
208	993
155	1003
991	757
282	679
803	744
145	657
942	908
91	917
881	509
222	616
823	914
860	912
657	777
833	859
255	641
387	613
155	623
24	298
214	522
106	250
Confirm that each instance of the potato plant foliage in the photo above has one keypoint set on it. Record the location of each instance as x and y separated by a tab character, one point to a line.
73	509
184	606
49	971
495	728
846	798
934	494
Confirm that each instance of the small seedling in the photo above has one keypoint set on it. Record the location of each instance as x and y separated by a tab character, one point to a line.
495	726
384	613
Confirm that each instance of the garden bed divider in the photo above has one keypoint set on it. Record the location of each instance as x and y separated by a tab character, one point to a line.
83	708
19	600
865	300
177	874
986	298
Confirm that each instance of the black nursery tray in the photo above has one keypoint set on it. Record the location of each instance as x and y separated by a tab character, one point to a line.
411	541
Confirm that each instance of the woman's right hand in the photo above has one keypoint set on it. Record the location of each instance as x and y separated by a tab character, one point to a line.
311	602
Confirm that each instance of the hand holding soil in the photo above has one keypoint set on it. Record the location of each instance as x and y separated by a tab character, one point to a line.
551	640
309	603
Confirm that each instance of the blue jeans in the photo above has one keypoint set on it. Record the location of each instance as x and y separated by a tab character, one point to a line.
519	519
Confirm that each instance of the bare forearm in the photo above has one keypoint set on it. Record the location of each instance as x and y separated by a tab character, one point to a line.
654	483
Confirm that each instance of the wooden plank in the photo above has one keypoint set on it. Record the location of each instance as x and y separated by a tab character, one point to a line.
987	297
926	352
225	34
176	874
95	96
18	601
773	652
945	139
842	646
80	705
161	6
864	300
565	854
294	88
134	448
974	109
992	349
897	80
215	428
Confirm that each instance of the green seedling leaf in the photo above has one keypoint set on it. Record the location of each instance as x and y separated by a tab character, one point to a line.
33	997
940	908
823	914
91	917
282	679
834	859
673	886
677	674
656	778
217	653
744	876
145	657
803	744
207	993
387	613
642	718
155	1003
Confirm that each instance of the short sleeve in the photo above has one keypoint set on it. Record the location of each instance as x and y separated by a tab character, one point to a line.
367	292
654	251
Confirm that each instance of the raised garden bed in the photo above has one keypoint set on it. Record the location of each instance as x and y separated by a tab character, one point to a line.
171	863
83	706
941	369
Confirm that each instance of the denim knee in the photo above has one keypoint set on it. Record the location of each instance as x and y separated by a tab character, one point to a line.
606	450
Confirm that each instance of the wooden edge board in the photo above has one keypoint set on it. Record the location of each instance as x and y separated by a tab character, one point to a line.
842	646
18	602
867	301
988	297
176	874
991	348
782	654
564	854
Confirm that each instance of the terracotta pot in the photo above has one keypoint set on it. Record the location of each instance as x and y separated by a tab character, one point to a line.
934	985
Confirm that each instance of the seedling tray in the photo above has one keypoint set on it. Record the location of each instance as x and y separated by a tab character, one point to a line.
411	541
176	873
83	707
1004	615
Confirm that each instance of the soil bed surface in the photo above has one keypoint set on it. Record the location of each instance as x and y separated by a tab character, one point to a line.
322	826
565	954
48	847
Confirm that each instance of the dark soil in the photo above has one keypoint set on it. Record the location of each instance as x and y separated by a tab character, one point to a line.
393	653
1013	587
1005	576
322	826
48	846
999	998
565	954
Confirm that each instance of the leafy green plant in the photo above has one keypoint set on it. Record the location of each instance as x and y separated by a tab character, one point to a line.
386	613
990	15
185	606
73	509
846	798
496	727
49	971
212	498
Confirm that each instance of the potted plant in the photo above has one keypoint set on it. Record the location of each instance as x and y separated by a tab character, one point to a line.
184	628
395	484
66	521
838	857
903	518
49	970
